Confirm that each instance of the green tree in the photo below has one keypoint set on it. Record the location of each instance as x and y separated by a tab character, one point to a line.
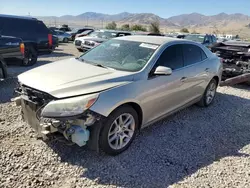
125	27
155	27
184	30
138	27
111	25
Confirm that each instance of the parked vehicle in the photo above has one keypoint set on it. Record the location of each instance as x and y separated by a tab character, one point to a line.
65	28
62	36
12	49
207	40
147	33
84	33
74	32
104	97
96	38
36	37
235	56
53	28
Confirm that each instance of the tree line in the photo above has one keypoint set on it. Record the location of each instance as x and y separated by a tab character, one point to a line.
154	27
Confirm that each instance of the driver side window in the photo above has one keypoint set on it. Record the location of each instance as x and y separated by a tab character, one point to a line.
172	57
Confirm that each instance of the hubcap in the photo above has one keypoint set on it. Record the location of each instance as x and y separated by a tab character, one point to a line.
121	131
210	93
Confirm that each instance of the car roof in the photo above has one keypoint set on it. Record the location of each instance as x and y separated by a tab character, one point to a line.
149	39
114	31
18	17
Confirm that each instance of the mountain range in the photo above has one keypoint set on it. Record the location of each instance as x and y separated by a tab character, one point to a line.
195	21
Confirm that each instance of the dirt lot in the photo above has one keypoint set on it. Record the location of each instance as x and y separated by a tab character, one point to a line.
196	147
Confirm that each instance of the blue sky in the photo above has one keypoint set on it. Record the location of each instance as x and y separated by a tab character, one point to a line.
163	8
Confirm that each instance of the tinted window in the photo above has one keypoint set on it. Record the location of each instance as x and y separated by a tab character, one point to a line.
203	55
214	39
171	57
191	54
23	28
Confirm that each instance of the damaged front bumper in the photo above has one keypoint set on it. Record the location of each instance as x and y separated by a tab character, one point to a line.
82	130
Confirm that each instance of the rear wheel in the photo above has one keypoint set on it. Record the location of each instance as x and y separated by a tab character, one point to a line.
209	94
119	130
30	57
65	40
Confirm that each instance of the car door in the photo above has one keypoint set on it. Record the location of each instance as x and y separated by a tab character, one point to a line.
167	92
196	71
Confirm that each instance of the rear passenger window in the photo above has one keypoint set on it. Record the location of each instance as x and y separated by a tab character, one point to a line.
171	57
192	54
203	55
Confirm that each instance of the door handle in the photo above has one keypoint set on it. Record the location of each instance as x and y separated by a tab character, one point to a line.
207	69
183	79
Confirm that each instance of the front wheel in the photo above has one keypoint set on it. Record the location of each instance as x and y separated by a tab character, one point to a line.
65	40
30	57
119	130
209	94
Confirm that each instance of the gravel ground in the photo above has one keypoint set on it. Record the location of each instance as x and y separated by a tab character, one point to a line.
195	147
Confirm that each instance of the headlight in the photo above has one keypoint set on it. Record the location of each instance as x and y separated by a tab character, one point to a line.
69	107
248	49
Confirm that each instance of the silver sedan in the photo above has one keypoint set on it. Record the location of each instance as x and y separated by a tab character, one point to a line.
104	97
62	36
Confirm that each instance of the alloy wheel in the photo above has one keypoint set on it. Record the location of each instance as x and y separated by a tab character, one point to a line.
121	131
210	92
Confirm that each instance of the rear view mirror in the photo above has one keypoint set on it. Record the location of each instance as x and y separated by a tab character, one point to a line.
161	70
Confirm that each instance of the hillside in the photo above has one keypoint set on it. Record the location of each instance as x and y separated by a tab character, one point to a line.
201	23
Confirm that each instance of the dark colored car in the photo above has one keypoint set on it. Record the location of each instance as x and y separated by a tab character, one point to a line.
98	37
11	50
74	32
36	37
207	39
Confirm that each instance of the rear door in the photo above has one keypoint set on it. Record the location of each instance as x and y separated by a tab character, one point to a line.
196	71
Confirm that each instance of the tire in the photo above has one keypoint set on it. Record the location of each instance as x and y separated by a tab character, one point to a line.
3	69
30	57
80	50
65	40
212	86
248	83
114	140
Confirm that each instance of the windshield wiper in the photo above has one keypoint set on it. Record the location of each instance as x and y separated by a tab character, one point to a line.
95	64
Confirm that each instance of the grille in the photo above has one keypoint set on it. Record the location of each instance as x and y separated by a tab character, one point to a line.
89	43
78	43
35	96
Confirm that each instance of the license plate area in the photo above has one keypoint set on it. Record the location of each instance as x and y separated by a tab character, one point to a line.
29	110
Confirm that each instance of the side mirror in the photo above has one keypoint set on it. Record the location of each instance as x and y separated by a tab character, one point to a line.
161	70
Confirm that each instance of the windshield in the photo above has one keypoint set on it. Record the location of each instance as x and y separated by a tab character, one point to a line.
120	54
103	34
196	38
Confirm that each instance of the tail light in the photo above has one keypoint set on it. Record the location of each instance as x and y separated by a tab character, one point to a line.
50	40
22	48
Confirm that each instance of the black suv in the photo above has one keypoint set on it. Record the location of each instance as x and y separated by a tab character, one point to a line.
12	49
36	37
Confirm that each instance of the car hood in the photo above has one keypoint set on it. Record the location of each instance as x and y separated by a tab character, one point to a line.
84	38
95	39
72	77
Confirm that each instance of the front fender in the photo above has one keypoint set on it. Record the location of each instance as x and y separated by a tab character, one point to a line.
110	99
